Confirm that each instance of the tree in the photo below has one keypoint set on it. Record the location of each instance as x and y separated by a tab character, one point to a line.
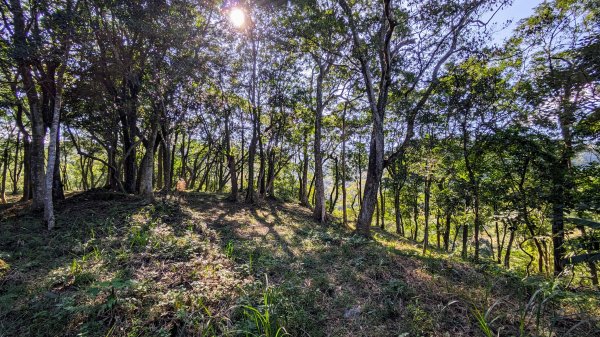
398	40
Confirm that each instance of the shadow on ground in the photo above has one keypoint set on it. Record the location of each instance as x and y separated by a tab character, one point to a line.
119	266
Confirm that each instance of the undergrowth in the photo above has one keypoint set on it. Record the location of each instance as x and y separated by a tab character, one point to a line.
119	266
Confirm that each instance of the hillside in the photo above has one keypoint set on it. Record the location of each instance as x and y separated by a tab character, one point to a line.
201	266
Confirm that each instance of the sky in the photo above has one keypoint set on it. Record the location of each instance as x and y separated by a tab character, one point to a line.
518	10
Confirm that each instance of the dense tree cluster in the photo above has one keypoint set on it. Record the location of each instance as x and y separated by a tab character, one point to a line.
398	113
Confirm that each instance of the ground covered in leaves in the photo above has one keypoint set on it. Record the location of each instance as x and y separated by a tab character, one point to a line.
202	266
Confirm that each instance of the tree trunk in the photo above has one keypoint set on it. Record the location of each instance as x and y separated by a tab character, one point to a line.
172	159
558	234
147	166
37	160
231	162
319	213
271	174
38	130
359	167
84	172
426	210
4	170
242	148
377	105
159	172
382	207
465	237
58	192
184	152
416	214
398	213
127	116
167	163
16	167
377	215
344	195
261	165
456	231
250	193
477	224
447	230
374	173
438	229
304	179
27	185
333	196
113	179
501	243
509	248
52	147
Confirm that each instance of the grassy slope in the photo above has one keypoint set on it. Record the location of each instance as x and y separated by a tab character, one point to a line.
117	266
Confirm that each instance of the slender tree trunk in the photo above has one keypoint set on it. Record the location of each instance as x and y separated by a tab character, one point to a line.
304	180
333	196
183	152
84	172
426	210
561	181
465	237
382	207
58	192
359	167
16	166
558	235
172	159
344	195
114	174
129	167
37	161
456	231
377	215
447	230
4	170
159	171
167	163
476	222
319	212
416	214
262	165
438	229
474	184
52	147
398	213
90	169
509	248
27	171
243	148
233	196
147	165
271	174
127	116
501	243
250	194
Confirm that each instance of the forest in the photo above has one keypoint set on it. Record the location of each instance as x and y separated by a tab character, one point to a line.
300	168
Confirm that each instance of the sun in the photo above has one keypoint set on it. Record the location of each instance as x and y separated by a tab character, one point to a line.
237	17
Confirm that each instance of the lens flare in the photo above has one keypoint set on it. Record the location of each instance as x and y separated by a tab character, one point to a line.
237	17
